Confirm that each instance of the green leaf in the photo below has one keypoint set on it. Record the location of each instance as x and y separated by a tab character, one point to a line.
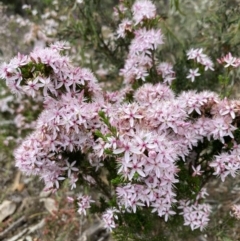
99	134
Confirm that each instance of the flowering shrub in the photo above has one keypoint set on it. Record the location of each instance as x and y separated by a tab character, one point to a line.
159	148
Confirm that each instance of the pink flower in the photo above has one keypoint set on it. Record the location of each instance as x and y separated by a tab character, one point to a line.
136	67
124	26
229	60
108	218
143	9
167	72
58	46
195	215
222	127
197	171
84	202
146	40
69	168
236	211
128	148
73	180
131	113
47	85
136	166
226	163
227	109
201	58
193	73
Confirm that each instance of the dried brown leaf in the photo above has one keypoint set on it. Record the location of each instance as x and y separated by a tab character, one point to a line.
7	208
50	205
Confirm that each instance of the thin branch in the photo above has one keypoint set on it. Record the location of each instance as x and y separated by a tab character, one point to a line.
12	226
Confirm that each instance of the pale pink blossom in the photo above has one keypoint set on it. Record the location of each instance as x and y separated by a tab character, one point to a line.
124	27
109	217
70	167
143	9
200	57
197	171
236	211
84	202
229	61
193	73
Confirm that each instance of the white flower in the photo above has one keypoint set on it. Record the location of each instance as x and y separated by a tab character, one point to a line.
197	171
70	167
192	74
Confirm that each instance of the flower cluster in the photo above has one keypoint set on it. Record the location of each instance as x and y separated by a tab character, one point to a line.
227	163
201	58
145	42
124	27
62	74
108	218
196	215
146	139
153	132
143	9
166	71
139	59
229	60
83	203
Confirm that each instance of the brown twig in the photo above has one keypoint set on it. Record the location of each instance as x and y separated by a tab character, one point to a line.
12	226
